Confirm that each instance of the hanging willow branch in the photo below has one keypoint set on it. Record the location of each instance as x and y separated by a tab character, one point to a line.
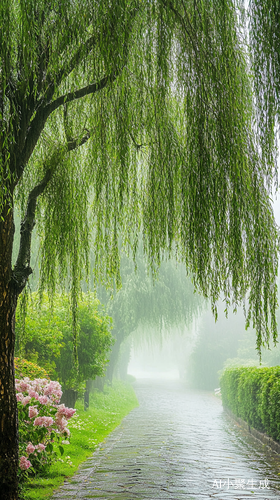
175	159
22	269
264	28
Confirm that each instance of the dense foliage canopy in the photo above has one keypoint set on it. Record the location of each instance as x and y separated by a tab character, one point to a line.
47	337
160	92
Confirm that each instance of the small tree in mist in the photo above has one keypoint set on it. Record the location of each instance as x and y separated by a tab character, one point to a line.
150	304
145	110
46	336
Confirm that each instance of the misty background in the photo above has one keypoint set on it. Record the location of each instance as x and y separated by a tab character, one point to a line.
162	329
198	353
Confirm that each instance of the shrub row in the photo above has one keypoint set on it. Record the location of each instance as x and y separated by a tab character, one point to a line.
253	394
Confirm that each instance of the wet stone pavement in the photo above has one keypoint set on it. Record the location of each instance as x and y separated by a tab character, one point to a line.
177	445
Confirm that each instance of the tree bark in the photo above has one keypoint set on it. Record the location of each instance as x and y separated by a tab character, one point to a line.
69	398
12	282
123	361
98	383
89	386
114	355
8	402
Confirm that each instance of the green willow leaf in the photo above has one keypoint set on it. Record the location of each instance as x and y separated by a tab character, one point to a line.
137	120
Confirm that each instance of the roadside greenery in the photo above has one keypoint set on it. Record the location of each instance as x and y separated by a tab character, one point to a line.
88	429
24	368
42	424
253	394
45	335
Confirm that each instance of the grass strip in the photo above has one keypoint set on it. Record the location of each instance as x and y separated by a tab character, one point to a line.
88	429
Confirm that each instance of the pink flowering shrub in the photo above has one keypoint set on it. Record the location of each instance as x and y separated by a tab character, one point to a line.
24	463
42	423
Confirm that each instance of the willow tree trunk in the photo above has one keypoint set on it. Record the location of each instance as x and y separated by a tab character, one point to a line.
8	402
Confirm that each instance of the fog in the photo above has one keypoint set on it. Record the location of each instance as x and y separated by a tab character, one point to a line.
164	358
198	354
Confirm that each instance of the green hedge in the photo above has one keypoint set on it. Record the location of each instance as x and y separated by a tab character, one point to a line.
253	394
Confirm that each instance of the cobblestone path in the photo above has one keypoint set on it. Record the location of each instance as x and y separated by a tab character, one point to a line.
177	445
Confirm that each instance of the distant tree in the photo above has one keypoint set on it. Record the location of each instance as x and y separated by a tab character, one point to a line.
47	337
151	304
145	111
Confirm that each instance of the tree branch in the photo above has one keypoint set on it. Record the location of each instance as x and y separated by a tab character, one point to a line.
38	107
78	94
82	52
41	117
22	269
45	108
138	146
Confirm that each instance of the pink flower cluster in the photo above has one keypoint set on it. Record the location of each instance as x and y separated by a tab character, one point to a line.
38	404
42	390
32	411
23	399
62	410
62	416
53	391
24	463
43	421
30	448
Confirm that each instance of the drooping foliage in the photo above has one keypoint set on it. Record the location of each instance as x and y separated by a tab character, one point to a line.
264	18
160	302
160	93
149	306
143	112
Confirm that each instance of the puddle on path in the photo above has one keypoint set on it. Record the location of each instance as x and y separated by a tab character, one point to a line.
177	445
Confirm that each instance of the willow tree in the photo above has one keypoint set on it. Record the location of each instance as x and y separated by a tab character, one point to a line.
144	111
150	305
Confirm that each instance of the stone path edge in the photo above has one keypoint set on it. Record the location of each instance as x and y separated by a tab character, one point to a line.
260	436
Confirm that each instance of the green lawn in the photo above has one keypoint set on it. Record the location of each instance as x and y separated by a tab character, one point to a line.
88	429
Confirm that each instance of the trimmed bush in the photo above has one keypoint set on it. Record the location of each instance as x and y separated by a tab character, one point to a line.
24	368
253	394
